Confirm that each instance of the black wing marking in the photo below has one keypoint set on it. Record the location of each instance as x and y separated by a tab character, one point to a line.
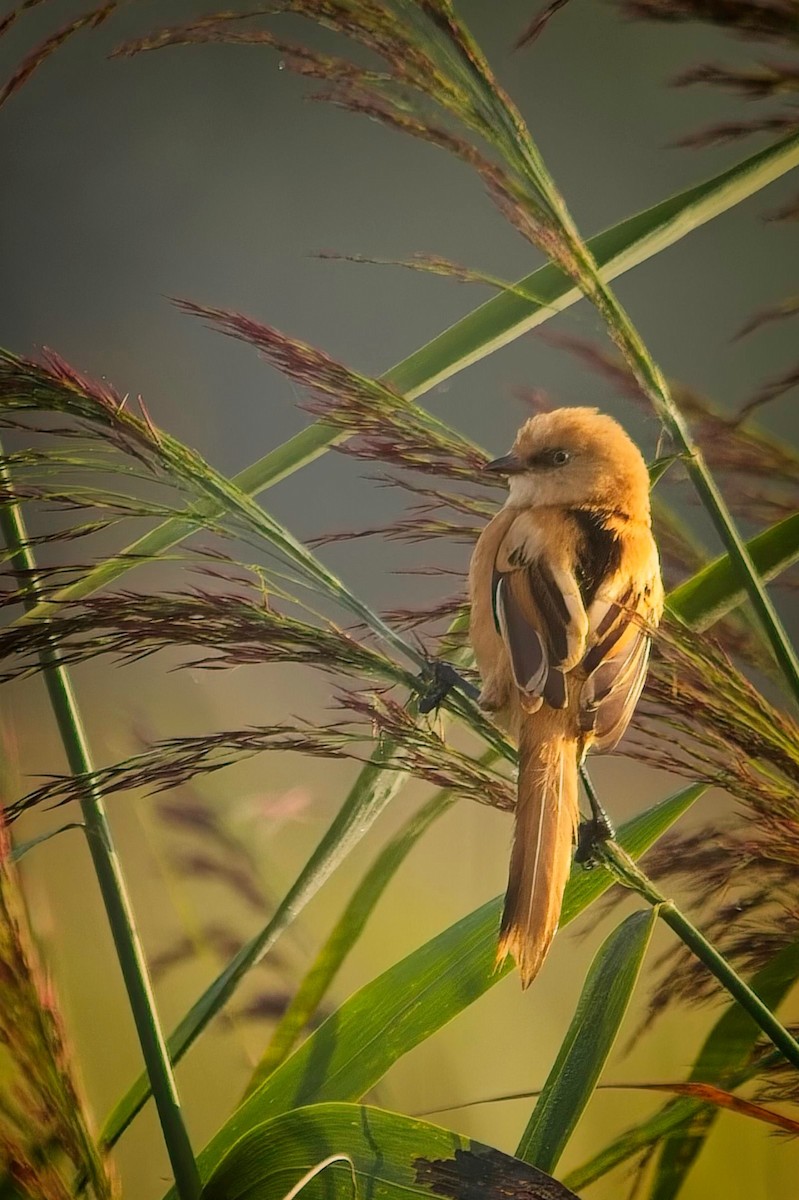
533	619
528	656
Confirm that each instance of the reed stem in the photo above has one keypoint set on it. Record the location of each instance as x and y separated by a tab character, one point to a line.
106	864
630	875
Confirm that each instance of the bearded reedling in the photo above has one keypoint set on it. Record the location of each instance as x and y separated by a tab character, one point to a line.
565	589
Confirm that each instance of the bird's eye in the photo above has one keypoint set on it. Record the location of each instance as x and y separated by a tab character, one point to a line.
559	457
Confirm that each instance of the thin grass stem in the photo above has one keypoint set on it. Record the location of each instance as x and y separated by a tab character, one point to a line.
631	876
107	867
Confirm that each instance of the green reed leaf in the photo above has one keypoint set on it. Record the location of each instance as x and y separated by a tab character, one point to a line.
372	791
584	1051
712	592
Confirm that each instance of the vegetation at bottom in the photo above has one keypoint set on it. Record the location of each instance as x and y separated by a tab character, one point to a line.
86	463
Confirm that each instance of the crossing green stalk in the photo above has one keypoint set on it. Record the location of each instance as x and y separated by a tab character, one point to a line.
107	866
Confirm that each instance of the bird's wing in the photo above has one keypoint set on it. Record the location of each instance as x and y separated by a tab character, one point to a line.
621	619
538	608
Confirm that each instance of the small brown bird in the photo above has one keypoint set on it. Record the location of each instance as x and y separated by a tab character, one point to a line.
565	589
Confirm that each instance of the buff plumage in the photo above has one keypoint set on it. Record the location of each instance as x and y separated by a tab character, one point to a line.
565	590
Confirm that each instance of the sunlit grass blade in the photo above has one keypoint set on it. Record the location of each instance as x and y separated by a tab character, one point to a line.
20	849
306	999
372	792
725	1058
715	590
494	324
717	1098
354	1048
584	1051
506	316
393	1156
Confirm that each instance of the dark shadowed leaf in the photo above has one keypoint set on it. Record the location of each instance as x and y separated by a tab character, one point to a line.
393	1157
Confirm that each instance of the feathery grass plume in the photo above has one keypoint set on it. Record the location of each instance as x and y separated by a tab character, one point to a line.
230	629
45	1140
435	264
701	718
101	421
746	18
435	84
383	424
773	389
13	16
742	880
765	80
42	52
777	312
27	387
173	762
777	1082
536	26
722	729
731	131
758	20
196	843
419	525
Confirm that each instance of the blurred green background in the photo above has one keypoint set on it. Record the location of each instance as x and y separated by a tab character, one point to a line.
203	173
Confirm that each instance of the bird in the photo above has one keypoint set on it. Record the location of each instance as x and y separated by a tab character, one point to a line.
565	594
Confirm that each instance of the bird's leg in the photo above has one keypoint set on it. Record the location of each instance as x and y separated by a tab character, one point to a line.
437	680
597	829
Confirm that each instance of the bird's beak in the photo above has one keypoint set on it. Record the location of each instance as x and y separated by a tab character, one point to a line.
508	464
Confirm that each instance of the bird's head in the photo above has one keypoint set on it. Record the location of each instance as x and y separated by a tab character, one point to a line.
578	458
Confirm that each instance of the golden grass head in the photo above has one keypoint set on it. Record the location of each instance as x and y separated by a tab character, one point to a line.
577	457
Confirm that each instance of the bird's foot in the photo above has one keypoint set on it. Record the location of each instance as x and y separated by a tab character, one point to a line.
590	836
437	680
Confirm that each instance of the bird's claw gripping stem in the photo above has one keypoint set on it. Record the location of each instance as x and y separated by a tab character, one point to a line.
594	831
437	680
590	836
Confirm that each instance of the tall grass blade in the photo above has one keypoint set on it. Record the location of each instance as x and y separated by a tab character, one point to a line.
584	1051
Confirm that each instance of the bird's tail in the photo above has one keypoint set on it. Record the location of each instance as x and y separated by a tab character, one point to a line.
546	823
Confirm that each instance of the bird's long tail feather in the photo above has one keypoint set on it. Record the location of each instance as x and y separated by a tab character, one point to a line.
546	822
